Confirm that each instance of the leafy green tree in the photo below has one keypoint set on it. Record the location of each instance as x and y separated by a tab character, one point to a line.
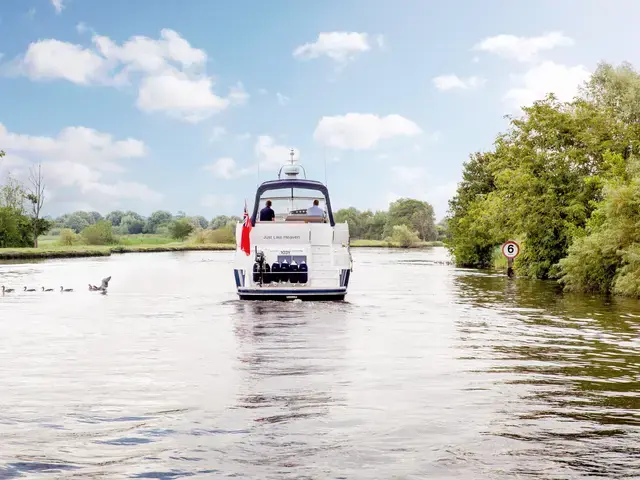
219	222
131	224
115	217
95	216
375	225
180	228
15	229
540	184
607	258
12	194
415	214
404	236
68	238
200	222
354	219
76	221
157	218
100	233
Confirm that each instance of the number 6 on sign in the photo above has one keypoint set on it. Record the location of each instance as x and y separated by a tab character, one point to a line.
510	249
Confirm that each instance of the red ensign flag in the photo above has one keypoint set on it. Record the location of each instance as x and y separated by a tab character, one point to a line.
245	242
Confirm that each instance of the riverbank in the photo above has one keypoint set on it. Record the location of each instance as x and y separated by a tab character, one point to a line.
77	251
386	244
102	251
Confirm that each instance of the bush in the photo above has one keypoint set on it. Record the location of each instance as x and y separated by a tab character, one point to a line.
180	229
404	236
219	235
68	238
15	229
100	233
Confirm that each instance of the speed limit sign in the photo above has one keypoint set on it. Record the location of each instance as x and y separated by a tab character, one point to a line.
510	249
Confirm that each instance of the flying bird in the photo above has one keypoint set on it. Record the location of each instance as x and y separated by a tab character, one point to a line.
105	283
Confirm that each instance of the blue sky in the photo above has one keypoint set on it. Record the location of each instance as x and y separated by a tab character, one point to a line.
159	104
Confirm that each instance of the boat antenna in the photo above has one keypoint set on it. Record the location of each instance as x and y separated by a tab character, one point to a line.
291	153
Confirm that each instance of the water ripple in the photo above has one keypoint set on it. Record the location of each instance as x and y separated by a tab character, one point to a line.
426	371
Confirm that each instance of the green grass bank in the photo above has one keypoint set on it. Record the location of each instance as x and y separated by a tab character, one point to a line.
48	247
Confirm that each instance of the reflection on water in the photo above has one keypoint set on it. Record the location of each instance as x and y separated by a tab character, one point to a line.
427	371
574	362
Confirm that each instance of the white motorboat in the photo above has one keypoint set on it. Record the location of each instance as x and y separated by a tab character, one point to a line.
297	255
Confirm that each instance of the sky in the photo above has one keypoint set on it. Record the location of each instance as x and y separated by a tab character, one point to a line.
160	104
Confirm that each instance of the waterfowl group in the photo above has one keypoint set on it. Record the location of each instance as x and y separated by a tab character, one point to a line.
102	288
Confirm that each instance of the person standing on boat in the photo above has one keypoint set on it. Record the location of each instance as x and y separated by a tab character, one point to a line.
267	214
315	210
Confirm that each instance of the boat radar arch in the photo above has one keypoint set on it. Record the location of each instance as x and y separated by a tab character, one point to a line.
291	170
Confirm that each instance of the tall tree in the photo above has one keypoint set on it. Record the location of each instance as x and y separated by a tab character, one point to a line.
415	214
35	195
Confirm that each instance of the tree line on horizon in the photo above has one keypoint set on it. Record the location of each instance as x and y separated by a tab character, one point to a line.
407	221
564	181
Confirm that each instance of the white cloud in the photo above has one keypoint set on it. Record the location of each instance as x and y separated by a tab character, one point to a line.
338	46
449	82
52	59
523	49
362	131
81	159
82	27
227	168
243	136
58	5
167	71
271	155
547	77
180	96
282	99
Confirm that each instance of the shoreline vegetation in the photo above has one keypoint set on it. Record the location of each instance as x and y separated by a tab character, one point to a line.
24	234
564	182
49	247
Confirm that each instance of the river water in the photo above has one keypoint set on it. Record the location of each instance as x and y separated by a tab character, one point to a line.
426	371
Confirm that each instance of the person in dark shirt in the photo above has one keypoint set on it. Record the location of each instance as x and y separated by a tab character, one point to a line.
267	214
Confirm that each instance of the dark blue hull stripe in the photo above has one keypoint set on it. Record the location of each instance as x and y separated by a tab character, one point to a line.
249	291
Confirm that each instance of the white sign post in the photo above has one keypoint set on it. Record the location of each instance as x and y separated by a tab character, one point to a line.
510	250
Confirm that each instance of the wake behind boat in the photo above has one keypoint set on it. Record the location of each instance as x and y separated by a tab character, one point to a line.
300	254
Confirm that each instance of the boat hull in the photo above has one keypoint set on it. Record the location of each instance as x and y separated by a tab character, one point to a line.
281	294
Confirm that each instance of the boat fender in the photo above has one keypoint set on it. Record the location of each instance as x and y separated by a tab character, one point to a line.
275	272
304	275
293	268
284	271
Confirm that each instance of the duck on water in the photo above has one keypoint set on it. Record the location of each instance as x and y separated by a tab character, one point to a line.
102	288
299	252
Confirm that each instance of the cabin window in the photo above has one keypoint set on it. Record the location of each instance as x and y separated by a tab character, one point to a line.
291	204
